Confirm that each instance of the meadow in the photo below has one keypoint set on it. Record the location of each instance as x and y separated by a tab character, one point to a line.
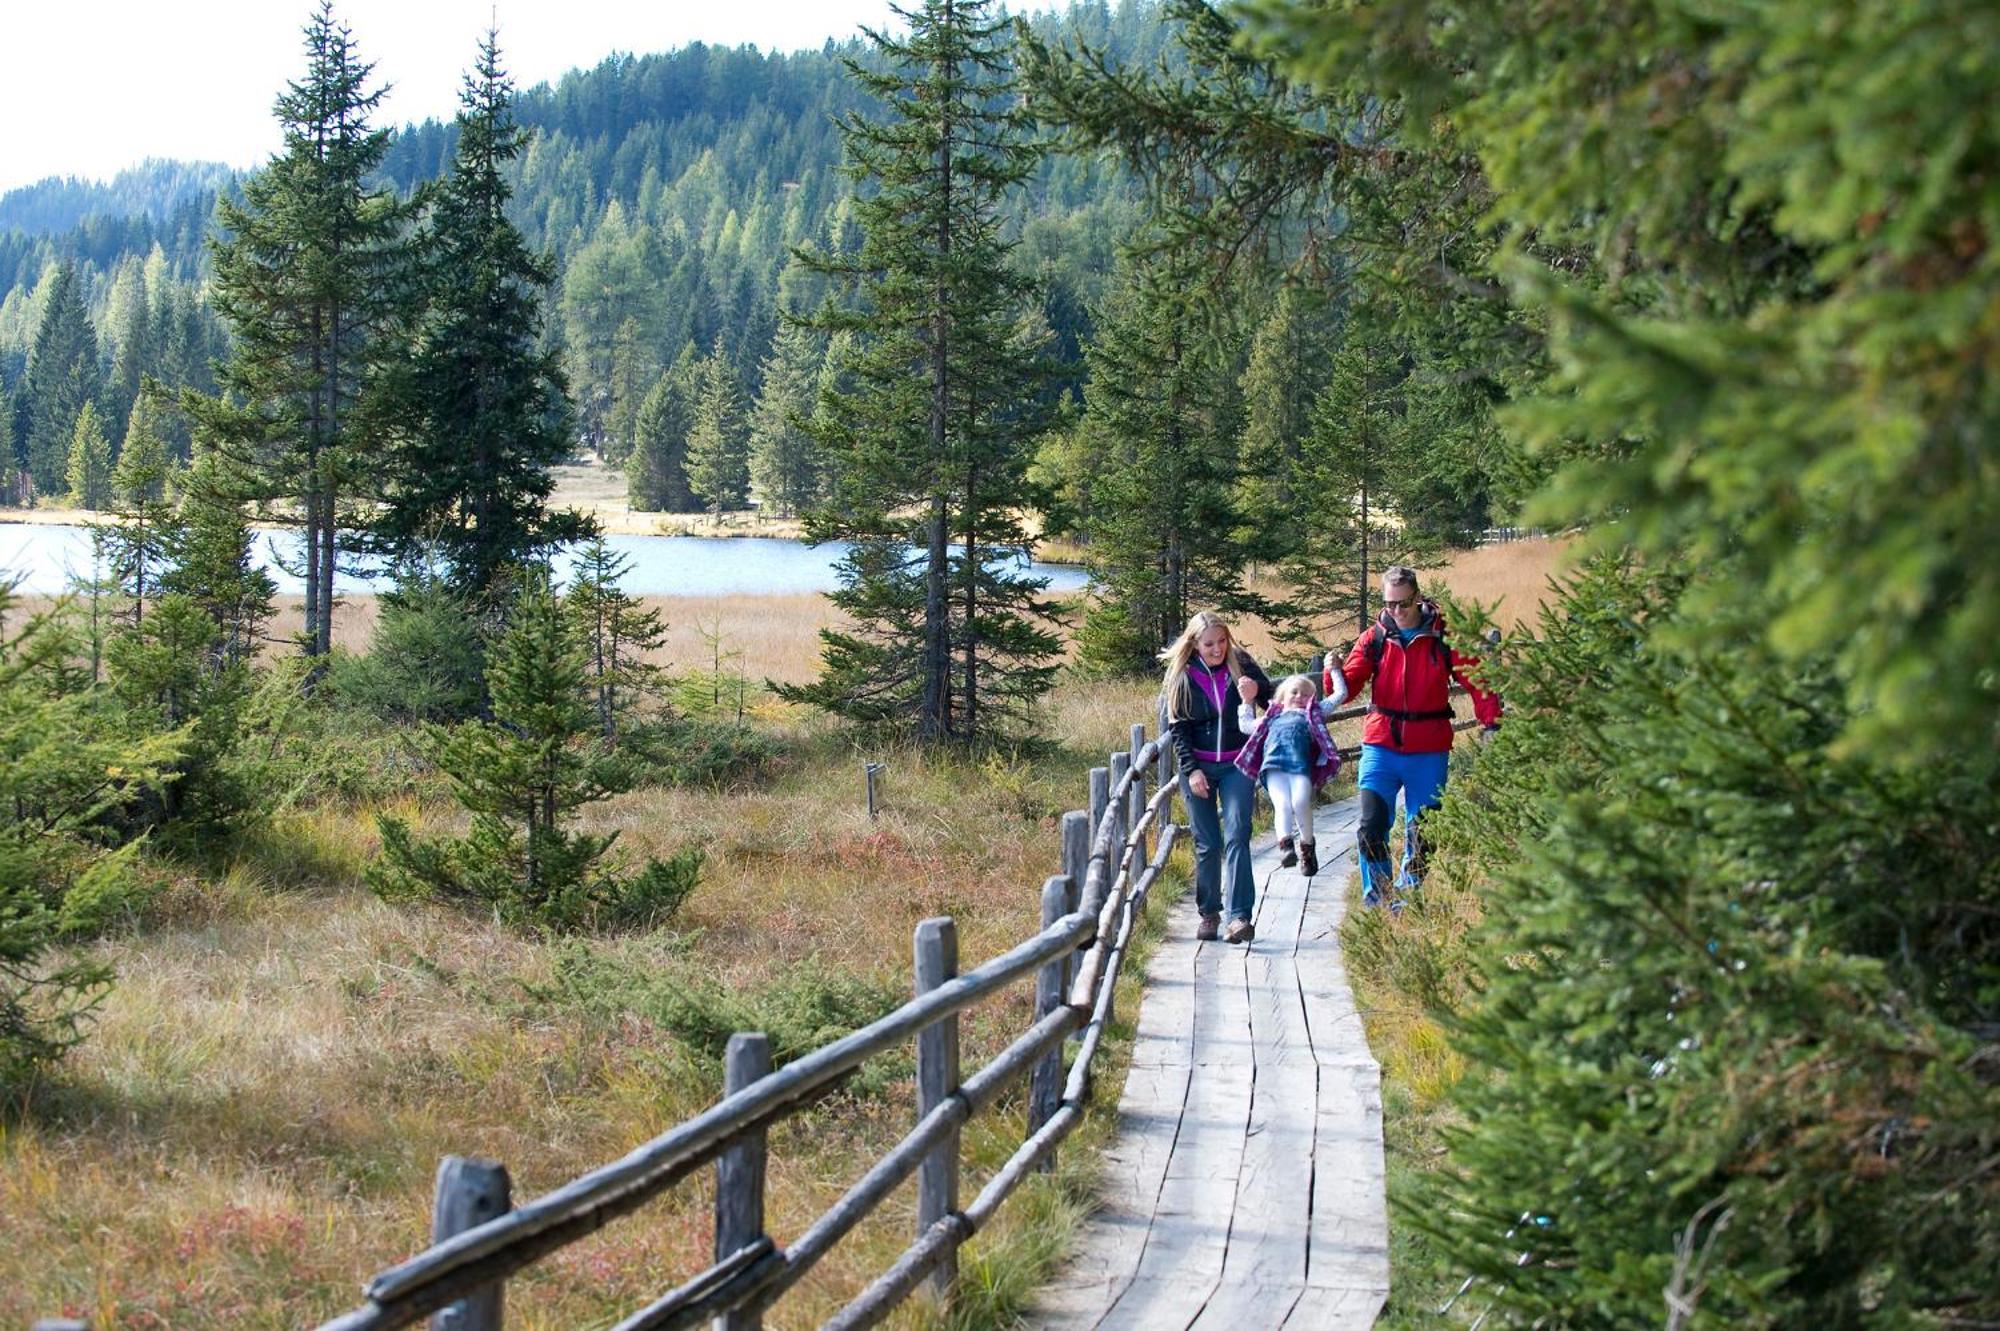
253	1125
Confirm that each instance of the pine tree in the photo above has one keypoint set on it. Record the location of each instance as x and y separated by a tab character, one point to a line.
656	471
522	776
138	542
63	378
211	562
1288	363
68	773
1355	443
1167	533
480	401
930	447
89	469
12	476
618	634
784	463
718	458
310	272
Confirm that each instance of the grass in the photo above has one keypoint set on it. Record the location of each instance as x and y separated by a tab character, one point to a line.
252	1129
253	1126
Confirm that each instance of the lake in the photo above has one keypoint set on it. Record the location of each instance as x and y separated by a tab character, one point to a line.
45	556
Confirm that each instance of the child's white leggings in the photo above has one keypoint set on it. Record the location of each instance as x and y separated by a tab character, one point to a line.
1292	797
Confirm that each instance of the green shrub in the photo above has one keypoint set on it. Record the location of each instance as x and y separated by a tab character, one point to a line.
521	776
808	1005
426	662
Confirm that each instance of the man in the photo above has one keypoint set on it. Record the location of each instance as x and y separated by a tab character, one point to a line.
1406	742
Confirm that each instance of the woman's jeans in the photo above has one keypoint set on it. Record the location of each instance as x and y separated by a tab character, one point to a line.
1221	825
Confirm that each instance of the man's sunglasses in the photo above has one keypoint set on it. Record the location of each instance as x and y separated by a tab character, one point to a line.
1403	604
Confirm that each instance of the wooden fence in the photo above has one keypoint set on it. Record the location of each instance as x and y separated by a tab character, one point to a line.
1088	916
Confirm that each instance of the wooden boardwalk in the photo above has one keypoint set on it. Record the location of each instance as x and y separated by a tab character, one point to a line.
1245	1188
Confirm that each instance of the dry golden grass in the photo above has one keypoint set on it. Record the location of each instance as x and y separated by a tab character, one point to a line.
252	1127
591	487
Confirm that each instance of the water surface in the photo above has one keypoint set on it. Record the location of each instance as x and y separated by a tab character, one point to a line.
48	558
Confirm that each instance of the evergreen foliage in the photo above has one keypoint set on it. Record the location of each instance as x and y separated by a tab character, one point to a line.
784	464
310	272
63	378
67	771
479	399
137	543
929	447
1168	533
718	450
618	634
426	660
522	775
89	467
656	471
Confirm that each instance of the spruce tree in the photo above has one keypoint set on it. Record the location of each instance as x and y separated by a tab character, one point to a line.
12	476
89	468
1167	532
311	273
63	377
929	448
480	402
1288	363
718	458
522	776
784	462
139	492
618	633
656	471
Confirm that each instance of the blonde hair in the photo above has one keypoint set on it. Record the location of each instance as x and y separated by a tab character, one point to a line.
1173	684
1292	684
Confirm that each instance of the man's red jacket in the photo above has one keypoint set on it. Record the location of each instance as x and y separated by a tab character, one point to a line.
1410	704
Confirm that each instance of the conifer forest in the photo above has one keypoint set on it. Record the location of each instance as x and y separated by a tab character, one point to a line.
1230	304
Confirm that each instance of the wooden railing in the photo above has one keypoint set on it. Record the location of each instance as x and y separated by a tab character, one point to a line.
1088	915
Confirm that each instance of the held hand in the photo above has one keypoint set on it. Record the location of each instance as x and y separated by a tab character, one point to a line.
1198	783
1246	689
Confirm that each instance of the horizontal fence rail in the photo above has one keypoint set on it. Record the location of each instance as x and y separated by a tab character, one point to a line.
1089	915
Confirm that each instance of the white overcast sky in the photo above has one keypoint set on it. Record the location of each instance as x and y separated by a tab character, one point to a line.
90	86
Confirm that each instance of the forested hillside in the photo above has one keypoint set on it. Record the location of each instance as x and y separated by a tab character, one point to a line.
670	189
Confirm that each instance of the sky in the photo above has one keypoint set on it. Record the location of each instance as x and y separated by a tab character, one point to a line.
88	87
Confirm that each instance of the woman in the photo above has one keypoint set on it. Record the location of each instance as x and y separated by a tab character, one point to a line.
1205	668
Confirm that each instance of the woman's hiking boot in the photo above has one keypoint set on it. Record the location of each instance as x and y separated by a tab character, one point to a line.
1291	855
1206	930
1240	931
1308	858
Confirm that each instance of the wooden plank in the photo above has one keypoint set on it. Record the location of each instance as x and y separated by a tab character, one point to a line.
1184	1253
1135	1165
1324	1309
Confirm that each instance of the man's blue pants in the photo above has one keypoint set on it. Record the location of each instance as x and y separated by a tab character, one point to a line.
1420	778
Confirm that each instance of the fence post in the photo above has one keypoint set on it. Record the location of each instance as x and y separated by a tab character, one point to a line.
470	1192
937	1077
739	1171
1163	771
1100	795
1045	1082
1135	807
1121	763
869	771
1075	864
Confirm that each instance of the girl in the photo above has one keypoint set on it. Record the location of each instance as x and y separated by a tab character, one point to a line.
1296	756
1207	675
